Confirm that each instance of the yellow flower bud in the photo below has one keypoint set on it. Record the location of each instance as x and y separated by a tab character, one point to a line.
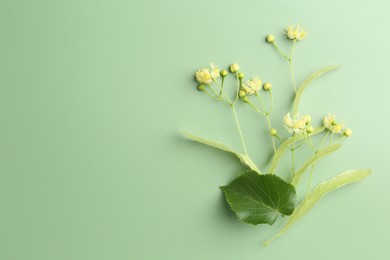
347	132
270	38
224	73
234	67
241	75
273	132
267	86
242	93
201	87
307	119
309	129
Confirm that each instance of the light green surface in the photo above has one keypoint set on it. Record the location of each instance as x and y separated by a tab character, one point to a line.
94	93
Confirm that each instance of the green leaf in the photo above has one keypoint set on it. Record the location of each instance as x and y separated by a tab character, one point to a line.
260	198
307	81
319	155
243	158
320	191
283	146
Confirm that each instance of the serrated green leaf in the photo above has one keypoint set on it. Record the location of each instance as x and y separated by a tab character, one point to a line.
260	198
243	158
283	146
320	191
306	82
319	155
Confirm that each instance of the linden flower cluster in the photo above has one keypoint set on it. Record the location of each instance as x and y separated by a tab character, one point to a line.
251	86
335	127
295	33
296	124
207	75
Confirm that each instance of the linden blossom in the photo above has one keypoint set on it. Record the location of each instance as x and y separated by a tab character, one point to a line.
295	33
252	85
297	123
331	124
206	75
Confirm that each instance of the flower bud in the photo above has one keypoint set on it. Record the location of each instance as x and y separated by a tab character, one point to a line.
307	119
270	38
241	75
309	129
245	99
201	87
347	132
242	93
234	67
224	73
334	123
267	86
273	132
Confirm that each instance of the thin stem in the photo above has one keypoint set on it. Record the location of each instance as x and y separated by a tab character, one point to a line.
342	138
261	101
292	155
269	128
309	141
310	178
223	81
223	91
210	95
238	87
255	108
272	101
291	64
323	140
267	118
212	89
239	130
280	52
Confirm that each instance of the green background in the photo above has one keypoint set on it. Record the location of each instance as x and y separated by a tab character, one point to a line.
94	95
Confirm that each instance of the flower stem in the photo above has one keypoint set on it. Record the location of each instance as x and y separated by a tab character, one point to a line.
239	129
342	138
310	178
238	87
290	61
323	140
269	128
280	52
292	155
210	95
215	93
266	114
231	104
220	92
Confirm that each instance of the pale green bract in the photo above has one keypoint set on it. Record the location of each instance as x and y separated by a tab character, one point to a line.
243	158
318	156
320	191
285	144
307	81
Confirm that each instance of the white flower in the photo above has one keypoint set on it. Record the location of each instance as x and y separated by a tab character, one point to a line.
203	76
214	71
206	75
252	86
331	124
295	124
234	67
347	132
295	33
